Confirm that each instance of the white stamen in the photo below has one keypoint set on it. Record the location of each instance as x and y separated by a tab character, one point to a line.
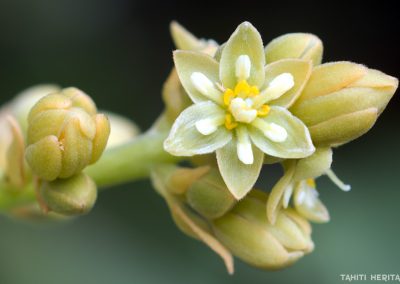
337	181
244	149
243	66
206	87
276	88
301	196
275	132
208	126
271	130
241	111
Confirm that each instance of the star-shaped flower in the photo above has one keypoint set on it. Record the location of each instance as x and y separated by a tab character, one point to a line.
240	108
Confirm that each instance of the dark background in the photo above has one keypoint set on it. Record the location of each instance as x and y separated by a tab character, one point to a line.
119	52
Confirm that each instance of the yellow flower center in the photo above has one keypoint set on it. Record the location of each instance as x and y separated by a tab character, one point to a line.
239	104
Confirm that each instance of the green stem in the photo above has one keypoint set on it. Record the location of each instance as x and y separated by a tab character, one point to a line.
128	162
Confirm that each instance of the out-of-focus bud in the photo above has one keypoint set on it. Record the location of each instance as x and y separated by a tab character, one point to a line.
122	130
295	45
21	105
209	195
73	196
33	213
342	101
12	147
307	203
174	96
185	40
65	134
246	232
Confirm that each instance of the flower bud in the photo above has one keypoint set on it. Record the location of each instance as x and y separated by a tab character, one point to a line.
12	148
295	45
342	101
21	105
246	232
72	196
65	134
209	196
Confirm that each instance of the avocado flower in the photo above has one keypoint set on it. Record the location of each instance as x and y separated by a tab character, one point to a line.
240	108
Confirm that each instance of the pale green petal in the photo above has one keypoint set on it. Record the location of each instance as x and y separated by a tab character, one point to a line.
184	138
295	45
298	143
239	178
218	53
299	69
244	41
183	39
344	128
277	192
188	62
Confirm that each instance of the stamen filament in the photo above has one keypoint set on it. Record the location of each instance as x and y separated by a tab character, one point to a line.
333	177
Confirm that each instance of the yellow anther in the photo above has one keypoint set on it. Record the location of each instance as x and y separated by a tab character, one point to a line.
263	110
311	182
228	96
242	89
229	123
254	91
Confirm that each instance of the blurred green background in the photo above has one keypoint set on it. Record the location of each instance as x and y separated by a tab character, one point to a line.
119	52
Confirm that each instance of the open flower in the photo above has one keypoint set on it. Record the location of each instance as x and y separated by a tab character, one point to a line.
240	108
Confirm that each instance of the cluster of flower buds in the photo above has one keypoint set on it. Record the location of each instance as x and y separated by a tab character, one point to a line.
48	136
252	105
203	208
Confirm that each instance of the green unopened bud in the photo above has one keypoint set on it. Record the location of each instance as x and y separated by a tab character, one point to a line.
344	128
342	101
73	196
295	45
209	196
246	232
307	203
65	134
